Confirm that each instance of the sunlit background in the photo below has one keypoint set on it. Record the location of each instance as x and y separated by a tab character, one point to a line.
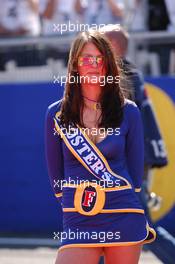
35	38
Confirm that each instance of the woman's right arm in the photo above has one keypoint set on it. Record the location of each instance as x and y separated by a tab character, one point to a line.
54	155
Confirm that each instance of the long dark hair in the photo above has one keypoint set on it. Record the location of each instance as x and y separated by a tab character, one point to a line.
111	97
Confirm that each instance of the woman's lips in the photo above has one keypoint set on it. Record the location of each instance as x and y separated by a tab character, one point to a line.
92	73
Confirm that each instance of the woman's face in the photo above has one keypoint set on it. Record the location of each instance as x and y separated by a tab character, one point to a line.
91	64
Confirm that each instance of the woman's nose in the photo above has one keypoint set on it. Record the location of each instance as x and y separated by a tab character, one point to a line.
95	64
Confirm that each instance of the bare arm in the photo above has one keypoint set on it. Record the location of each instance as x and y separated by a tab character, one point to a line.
3	31
79	7
12	33
116	10
34	5
50	8
138	2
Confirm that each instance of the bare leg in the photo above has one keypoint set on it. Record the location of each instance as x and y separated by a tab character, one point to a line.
79	255
122	254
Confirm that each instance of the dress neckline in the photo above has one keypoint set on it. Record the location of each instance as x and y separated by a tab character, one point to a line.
101	140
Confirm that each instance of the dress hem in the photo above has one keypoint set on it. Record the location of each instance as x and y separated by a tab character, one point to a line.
144	240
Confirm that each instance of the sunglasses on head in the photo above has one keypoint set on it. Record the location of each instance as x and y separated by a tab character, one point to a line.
89	60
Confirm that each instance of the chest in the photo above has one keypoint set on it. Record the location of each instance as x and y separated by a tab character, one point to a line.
112	146
91	120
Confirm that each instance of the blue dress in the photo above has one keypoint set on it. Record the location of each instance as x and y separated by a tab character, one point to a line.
122	220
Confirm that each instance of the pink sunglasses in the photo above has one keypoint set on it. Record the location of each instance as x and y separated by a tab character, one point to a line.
89	60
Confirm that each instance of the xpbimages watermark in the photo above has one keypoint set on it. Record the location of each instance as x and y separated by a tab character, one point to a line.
101	131
102	80
79	27
85	183
101	236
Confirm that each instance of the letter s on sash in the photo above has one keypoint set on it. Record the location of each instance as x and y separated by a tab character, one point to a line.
76	141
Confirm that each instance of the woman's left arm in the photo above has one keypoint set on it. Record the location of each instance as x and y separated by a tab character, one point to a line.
135	146
54	154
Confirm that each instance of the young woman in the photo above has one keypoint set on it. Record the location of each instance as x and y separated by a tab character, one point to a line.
94	151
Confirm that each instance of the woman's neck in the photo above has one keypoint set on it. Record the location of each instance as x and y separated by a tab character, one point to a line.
91	104
91	92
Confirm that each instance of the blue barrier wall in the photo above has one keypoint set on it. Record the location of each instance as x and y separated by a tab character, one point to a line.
27	203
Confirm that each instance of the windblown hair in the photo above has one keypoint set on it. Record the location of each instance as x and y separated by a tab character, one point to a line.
111	97
121	39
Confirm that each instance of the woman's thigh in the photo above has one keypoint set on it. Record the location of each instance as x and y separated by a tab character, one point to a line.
79	255
123	254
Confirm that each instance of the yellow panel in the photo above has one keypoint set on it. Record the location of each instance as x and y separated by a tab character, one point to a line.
164	178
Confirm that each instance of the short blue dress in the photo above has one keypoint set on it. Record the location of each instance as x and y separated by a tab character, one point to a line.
121	220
